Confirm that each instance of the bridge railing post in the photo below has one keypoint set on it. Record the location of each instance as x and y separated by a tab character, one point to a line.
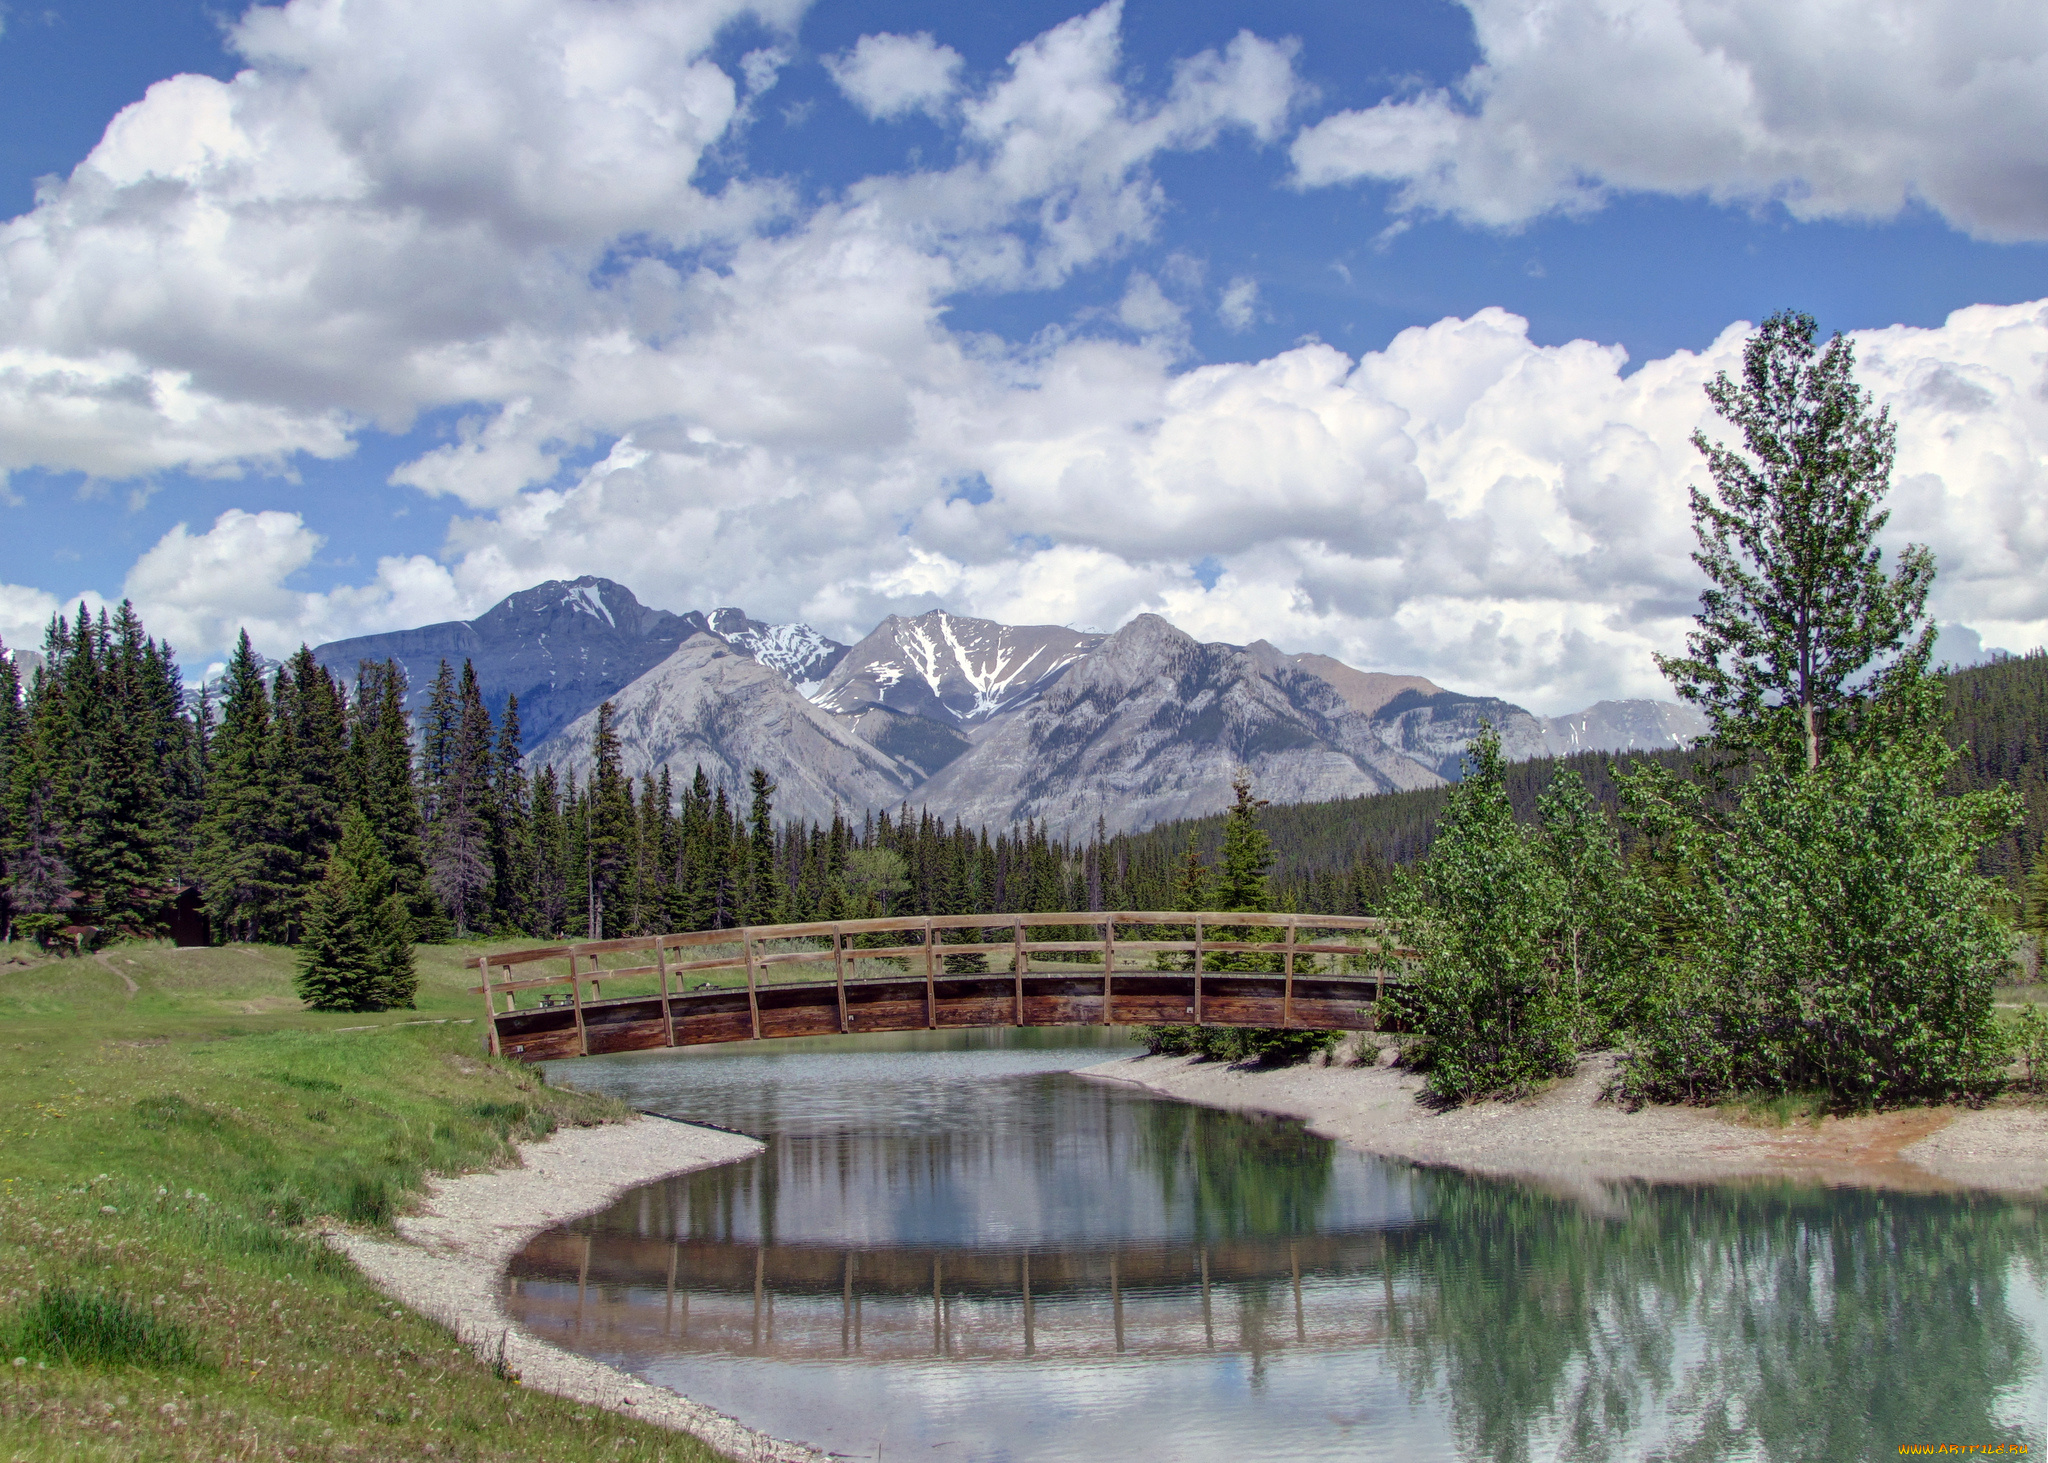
1108	964
668	1015
1287	1000
1017	963
1198	970
931	978
753	993
483	965
839	974
576	991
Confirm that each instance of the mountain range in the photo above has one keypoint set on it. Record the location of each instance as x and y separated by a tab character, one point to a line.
970	718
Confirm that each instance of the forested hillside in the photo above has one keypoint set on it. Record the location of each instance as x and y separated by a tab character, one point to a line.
117	793
2000	722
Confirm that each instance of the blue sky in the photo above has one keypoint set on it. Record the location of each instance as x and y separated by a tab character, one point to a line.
1272	207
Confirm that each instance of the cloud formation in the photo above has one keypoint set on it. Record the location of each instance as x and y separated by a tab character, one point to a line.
1833	109
505	211
890	76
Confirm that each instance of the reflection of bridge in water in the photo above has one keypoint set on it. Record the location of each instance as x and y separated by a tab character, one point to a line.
814	1302
933	984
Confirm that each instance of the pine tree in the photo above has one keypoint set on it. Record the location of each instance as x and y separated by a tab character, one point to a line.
1247	854
551	861
381	783
2034	904
458	762
514	872
763	901
310	729
243	864
357	951
607	830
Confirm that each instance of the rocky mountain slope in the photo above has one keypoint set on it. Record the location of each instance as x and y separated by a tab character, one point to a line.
561	647
799	652
1363	691
971	718
950	669
710	705
1153	725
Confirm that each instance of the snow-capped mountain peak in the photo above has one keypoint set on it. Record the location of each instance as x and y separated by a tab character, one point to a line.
801	653
951	668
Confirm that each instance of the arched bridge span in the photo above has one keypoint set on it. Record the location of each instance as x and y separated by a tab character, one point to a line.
940	972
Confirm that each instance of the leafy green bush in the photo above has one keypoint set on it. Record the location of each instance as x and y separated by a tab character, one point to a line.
1529	944
93	1328
1271	1046
1839	938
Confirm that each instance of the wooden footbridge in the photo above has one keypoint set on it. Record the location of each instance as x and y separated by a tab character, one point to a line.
1332	971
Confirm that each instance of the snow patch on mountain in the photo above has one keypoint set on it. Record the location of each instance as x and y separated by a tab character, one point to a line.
802	654
589	599
952	668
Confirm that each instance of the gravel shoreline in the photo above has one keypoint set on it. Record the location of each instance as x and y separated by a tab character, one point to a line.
449	1260
1567	1135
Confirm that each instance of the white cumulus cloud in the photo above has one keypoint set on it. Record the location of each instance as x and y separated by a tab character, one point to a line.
1836	109
889	76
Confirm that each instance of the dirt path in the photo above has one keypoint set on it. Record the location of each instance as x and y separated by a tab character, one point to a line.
1568	1134
448	1263
126	979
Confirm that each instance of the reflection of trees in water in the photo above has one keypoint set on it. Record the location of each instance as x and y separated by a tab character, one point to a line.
1241	1174
1698	1322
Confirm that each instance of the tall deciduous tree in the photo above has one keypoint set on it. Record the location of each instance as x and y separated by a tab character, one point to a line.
1800	618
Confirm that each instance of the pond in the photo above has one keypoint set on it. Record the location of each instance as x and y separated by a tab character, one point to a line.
954	1249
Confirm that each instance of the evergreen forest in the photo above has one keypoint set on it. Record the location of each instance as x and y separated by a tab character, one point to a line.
120	789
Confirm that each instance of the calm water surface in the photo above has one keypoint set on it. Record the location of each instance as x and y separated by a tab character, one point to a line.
952	1249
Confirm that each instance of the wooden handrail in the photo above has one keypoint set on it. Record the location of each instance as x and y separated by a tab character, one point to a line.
754	959
687	939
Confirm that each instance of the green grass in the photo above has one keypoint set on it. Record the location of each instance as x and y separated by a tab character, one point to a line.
166	1157
1778	1110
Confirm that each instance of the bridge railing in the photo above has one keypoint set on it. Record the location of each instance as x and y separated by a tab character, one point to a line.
755	958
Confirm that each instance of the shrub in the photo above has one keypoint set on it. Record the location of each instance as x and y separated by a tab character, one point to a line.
1839	939
1271	1046
1484	995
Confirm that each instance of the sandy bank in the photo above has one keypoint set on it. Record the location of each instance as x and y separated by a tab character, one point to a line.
449	1262
1568	1134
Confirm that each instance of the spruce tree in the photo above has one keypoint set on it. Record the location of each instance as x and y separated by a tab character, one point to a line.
243	864
608	830
13	747
357	950
457	764
311	731
764	895
382	783
551	861
513	870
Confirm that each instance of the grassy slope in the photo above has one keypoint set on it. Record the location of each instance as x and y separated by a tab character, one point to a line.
169	1144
